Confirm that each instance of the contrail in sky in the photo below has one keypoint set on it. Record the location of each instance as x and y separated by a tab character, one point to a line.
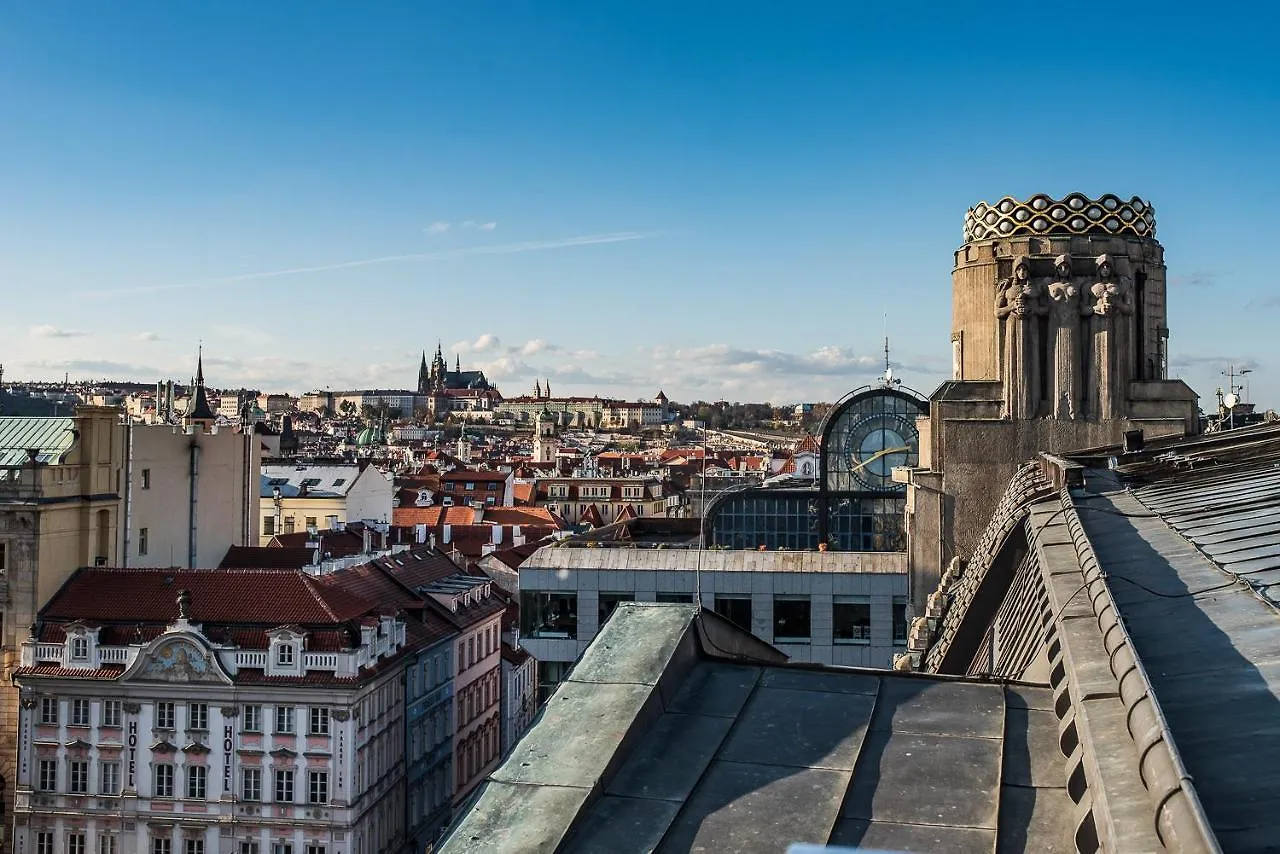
463	252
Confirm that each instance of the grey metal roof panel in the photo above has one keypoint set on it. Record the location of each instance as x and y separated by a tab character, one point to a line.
740	757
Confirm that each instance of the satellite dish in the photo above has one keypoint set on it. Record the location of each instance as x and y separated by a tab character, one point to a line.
1230	400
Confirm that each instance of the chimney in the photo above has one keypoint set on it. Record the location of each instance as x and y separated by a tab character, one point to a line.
447	534
367	540
497	535
419	533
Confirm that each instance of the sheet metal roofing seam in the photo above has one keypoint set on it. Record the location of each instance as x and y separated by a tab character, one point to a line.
1180	820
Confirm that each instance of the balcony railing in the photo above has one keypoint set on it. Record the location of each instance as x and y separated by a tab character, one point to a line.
48	652
113	654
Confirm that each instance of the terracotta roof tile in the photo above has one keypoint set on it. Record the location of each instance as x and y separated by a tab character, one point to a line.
229	596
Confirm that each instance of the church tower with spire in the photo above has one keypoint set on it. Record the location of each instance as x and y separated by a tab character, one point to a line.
424	375
199	413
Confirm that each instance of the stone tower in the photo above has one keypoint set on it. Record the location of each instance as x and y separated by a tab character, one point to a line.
1062	302
1058	343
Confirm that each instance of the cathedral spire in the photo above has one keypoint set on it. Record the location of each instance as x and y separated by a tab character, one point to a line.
457	363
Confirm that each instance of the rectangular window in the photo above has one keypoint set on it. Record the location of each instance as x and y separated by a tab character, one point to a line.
284	655
899	620
75	843
686	598
284	719
282	848
319	720
79	648
249	848
252	721
4	556
851	619
49	710
284	787
44	842
143	539
107	844
317	787
197	781
110	784
48	775
548	615
609	601
146	478
251	784
79	712
165	715
316	849
735	609
79	774
194	846
198	716
161	846
791	619
288	524
111	713
311	522
162	785
269	526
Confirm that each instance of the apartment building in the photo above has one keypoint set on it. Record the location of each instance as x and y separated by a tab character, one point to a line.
293	497
198	711
604	500
470	604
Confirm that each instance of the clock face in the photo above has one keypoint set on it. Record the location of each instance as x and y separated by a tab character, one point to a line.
876	444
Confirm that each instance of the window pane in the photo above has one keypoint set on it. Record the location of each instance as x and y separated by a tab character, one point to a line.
851	619
791	618
549	615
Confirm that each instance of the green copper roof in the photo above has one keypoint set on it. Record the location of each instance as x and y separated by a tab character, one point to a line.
51	437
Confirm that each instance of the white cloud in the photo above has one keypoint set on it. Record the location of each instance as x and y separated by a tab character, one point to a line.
437	228
533	347
487	341
488	226
147	337
49	331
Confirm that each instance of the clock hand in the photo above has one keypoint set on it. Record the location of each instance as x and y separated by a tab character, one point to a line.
877	455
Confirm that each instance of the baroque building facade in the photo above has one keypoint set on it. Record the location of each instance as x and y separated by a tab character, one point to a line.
1059	342
286	735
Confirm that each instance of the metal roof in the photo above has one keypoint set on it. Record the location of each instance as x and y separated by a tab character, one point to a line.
652	744
53	437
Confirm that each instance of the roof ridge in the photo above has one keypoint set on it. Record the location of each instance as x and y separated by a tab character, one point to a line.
309	582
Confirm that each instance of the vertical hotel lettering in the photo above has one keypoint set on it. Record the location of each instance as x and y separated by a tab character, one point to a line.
228	745
132	745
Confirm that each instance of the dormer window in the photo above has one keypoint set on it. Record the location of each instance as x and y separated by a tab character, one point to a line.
79	649
284	655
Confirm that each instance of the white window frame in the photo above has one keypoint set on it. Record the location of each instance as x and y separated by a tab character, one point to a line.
285	723
112	713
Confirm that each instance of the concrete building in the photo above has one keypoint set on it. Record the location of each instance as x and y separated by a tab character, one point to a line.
1059	342
296	496
846	608
59	510
286	733
191	494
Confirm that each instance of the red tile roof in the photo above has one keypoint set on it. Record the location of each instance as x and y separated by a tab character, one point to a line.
407	517
342	543
267	557
523	493
471	475
73	672
227	596
522	516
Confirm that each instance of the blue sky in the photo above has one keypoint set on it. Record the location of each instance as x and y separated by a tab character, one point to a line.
721	199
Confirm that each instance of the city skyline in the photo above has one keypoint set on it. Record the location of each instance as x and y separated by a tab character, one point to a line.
725	208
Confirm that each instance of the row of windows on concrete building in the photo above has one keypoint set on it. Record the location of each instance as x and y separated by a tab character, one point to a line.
195	781
196	716
78	843
555	615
